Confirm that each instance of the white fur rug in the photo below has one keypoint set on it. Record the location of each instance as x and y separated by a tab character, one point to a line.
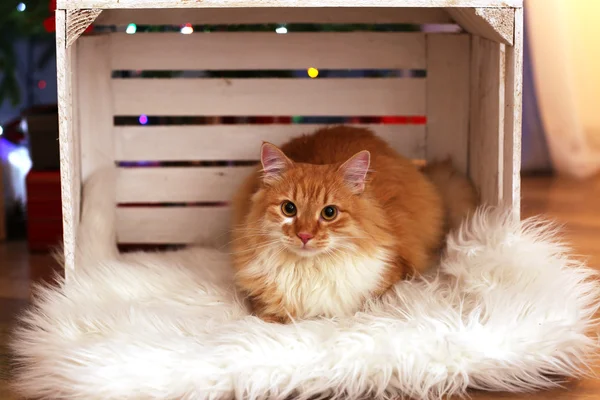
508	312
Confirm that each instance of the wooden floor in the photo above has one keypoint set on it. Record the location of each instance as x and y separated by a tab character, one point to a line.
577	205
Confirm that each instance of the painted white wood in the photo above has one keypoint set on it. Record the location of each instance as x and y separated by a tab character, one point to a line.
176	225
513	118
496	24
95	105
68	141
448	65
268	50
103	4
486	136
177	185
216	16
77	23
316	97
238	142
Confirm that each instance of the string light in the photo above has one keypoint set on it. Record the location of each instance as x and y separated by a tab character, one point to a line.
42	84
187	29
281	30
143	119
313	72
131	29
1	130
20	159
21	7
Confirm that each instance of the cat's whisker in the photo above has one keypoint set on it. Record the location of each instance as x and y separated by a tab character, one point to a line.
251	232
336	253
254	248
247	237
279	250
247	229
247	233
333	255
341	246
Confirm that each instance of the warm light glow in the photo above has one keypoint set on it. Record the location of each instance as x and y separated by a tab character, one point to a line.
131	29
187	29
21	7
281	30
313	72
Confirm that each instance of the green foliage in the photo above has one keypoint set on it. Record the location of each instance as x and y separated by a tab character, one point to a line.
16	25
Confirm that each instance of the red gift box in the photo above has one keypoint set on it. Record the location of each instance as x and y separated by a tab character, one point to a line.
44	210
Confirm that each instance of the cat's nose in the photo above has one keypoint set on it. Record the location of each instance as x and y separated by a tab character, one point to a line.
305	237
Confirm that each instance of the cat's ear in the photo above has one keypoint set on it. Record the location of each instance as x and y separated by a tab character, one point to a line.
355	171
274	162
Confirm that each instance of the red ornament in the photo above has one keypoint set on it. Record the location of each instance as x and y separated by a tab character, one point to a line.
50	24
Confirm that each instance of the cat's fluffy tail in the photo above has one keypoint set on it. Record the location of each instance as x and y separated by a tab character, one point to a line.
96	236
458	193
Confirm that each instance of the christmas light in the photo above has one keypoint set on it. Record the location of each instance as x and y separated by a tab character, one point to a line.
313	72
143	119
131	29
21	7
1	130
187	29
42	84
20	159
281	30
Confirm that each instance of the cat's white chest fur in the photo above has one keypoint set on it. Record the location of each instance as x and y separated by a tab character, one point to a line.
324	286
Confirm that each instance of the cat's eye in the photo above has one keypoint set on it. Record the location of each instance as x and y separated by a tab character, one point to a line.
288	209
329	213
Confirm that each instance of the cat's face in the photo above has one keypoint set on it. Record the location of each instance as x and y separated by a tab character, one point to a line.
311	209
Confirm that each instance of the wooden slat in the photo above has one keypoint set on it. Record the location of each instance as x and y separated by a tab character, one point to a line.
75	4
70	166
267	50
496	24
215	16
95	108
316	97
486	136
237	142
512	122
176	185
448	63
178	225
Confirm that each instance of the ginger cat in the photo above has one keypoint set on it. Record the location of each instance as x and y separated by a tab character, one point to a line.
335	218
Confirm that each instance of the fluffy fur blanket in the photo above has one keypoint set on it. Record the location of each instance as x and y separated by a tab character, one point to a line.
508	311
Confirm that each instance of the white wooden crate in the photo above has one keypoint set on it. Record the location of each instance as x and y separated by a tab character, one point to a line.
471	97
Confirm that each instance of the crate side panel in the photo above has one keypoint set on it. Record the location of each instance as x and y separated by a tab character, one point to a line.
448	63
486	136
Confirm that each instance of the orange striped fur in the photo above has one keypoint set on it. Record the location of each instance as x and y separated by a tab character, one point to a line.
388	226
